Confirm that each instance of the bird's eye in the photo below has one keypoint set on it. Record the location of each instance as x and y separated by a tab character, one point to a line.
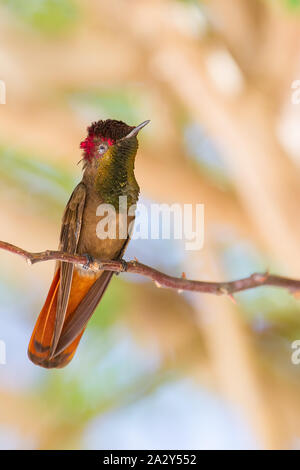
102	148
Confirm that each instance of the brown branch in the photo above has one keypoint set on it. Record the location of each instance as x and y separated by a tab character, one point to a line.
161	279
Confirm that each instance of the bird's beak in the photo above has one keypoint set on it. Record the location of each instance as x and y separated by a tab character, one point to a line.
136	130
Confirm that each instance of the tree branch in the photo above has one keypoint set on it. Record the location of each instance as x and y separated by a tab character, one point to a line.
161	279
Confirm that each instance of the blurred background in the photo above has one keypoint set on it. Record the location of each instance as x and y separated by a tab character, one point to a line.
156	369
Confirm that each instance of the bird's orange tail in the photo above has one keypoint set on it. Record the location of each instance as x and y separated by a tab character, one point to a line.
42	335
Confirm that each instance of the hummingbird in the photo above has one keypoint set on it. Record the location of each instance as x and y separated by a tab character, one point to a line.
109	152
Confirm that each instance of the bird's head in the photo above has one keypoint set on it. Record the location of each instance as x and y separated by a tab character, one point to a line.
110	140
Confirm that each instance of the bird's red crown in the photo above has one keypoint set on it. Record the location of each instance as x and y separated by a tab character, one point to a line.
108	131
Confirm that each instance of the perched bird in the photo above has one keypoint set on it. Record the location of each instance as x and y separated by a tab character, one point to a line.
109	152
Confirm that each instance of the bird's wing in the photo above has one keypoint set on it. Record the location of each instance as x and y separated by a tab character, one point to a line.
86	308
69	236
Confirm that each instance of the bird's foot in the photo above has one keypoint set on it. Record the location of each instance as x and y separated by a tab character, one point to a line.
91	264
89	261
124	266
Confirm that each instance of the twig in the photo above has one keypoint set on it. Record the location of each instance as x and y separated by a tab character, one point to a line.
160	279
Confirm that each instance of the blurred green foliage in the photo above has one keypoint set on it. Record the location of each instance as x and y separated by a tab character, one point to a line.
190	1
46	16
49	185
292	4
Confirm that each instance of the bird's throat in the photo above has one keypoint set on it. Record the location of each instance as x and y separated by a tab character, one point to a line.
115	175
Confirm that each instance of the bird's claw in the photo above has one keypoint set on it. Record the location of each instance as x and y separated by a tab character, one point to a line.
89	261
124	266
